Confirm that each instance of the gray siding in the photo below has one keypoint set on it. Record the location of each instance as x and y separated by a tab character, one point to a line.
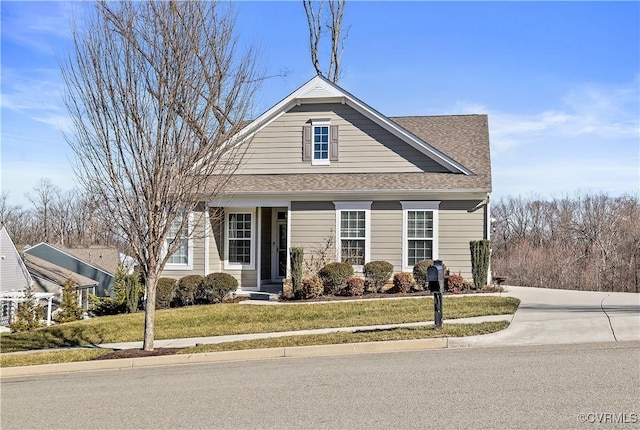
364	146
312	226
13	273
312	223
386	233
458	226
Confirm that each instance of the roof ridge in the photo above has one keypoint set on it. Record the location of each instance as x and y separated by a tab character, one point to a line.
437	116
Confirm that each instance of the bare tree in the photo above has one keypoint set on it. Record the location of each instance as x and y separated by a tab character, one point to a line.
156	91
588	242
334	28
43	201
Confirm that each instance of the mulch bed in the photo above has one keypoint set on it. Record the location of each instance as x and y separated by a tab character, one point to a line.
488	289
136	353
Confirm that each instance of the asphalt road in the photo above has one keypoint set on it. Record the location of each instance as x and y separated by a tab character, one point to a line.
583	386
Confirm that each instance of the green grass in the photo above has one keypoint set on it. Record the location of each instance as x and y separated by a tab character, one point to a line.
50	357
226	319
448	330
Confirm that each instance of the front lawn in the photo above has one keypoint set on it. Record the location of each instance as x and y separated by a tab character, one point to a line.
235	318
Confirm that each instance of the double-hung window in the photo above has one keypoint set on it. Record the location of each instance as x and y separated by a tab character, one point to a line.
352	227
182	258
240	233
320	142
419	231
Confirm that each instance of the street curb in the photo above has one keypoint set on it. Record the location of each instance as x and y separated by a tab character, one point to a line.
228	356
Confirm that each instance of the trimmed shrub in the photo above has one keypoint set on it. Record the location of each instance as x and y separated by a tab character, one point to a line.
454	284
480	257
420	272
377	273
214	287
334	276
164	292
186	290
355	287
402	282
297	266
311	288
101	306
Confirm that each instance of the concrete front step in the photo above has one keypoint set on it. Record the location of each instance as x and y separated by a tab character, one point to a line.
263	295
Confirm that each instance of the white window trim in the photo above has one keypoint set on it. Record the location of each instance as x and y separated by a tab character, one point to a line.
320	123
407	206
252	252
189	264
354	206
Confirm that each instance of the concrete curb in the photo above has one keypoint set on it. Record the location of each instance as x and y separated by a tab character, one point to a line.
227	356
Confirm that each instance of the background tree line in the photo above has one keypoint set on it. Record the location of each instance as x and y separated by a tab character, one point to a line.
69	218
586	242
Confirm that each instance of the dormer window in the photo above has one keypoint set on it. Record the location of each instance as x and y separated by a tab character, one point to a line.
320	142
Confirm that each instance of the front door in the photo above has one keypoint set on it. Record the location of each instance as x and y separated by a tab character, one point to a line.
279	268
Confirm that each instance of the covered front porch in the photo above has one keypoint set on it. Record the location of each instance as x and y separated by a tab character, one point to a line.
253	245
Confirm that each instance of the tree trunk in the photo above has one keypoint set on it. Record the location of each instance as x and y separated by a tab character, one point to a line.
150	312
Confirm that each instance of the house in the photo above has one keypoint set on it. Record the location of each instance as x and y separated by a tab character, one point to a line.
324	171
92	269
15	280
49	278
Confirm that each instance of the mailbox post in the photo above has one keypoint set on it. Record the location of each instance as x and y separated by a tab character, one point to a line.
435	278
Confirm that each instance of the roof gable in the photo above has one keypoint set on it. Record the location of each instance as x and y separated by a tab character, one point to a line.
321	90
13	273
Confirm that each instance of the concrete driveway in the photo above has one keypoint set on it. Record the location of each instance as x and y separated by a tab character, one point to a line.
549	316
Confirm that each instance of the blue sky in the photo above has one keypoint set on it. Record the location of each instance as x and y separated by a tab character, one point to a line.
559	80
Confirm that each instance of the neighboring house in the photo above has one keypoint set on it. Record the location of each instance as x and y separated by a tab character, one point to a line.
91	268
49	278
14	280
324	170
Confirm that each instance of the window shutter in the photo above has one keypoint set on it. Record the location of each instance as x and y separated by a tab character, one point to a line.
306	143
334	143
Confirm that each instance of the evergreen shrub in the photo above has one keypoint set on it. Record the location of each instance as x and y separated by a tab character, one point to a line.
377	273
335	276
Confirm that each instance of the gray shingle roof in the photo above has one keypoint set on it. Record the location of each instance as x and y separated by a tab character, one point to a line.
56	274
465	138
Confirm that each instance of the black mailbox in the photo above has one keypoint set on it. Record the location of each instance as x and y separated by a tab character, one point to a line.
435	277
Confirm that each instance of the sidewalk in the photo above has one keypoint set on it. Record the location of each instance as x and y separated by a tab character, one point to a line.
193	341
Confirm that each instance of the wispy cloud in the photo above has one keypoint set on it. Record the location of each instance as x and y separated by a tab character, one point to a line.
588	140
37	94
594	111
38	26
